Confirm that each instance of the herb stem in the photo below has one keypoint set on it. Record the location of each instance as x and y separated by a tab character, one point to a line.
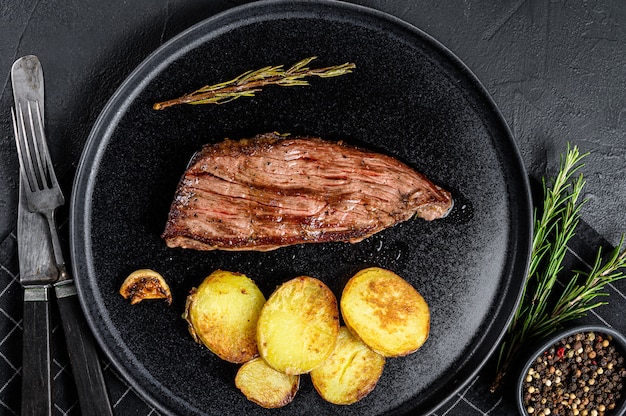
554	226
251	82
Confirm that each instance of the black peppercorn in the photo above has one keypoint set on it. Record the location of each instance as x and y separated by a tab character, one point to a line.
581	374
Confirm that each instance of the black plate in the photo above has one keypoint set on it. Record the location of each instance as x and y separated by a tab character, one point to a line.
409	97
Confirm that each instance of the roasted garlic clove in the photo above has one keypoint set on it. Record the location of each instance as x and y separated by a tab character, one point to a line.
145	284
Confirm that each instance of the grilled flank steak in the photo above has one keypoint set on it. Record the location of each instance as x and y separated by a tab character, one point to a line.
273	191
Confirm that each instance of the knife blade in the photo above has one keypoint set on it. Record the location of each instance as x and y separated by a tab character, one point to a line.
37	272
27	77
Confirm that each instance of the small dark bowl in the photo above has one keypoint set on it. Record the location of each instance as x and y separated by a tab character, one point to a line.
619	341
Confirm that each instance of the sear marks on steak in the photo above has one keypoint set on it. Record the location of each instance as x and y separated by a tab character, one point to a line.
273	191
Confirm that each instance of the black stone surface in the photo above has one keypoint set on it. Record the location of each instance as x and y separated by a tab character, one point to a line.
555	70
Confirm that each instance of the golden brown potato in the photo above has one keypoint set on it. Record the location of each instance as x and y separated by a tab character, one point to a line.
298	326
350	372
265	386
222	314
145	284
385	311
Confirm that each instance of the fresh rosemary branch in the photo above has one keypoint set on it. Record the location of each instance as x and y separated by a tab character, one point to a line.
576	300
251	82
538	314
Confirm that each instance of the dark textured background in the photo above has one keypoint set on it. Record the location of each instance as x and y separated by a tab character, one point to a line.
555	69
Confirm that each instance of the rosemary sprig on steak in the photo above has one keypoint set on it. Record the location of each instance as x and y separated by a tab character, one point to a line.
542	310
251	82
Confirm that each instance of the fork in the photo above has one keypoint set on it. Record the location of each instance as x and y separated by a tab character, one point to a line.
44	195
43	192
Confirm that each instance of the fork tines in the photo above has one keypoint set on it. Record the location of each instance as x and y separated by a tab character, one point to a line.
31	147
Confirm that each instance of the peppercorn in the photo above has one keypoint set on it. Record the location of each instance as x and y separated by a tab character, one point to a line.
581	374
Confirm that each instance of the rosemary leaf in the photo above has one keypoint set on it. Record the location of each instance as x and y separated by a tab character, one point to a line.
251	82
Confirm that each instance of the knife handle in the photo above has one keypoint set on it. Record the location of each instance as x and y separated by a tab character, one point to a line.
36	376
81	347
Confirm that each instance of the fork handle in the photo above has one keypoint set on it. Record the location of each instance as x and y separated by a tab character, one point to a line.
36	376
81	347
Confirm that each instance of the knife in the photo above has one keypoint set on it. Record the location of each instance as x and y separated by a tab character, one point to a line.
37	272
27	78
36	265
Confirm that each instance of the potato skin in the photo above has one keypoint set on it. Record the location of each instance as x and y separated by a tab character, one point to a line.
385	311
298	325
265	386
222	314
350	372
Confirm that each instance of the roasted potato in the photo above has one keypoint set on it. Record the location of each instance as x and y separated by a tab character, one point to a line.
222	314
265	386
350	372
145	284
298	326
385	312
